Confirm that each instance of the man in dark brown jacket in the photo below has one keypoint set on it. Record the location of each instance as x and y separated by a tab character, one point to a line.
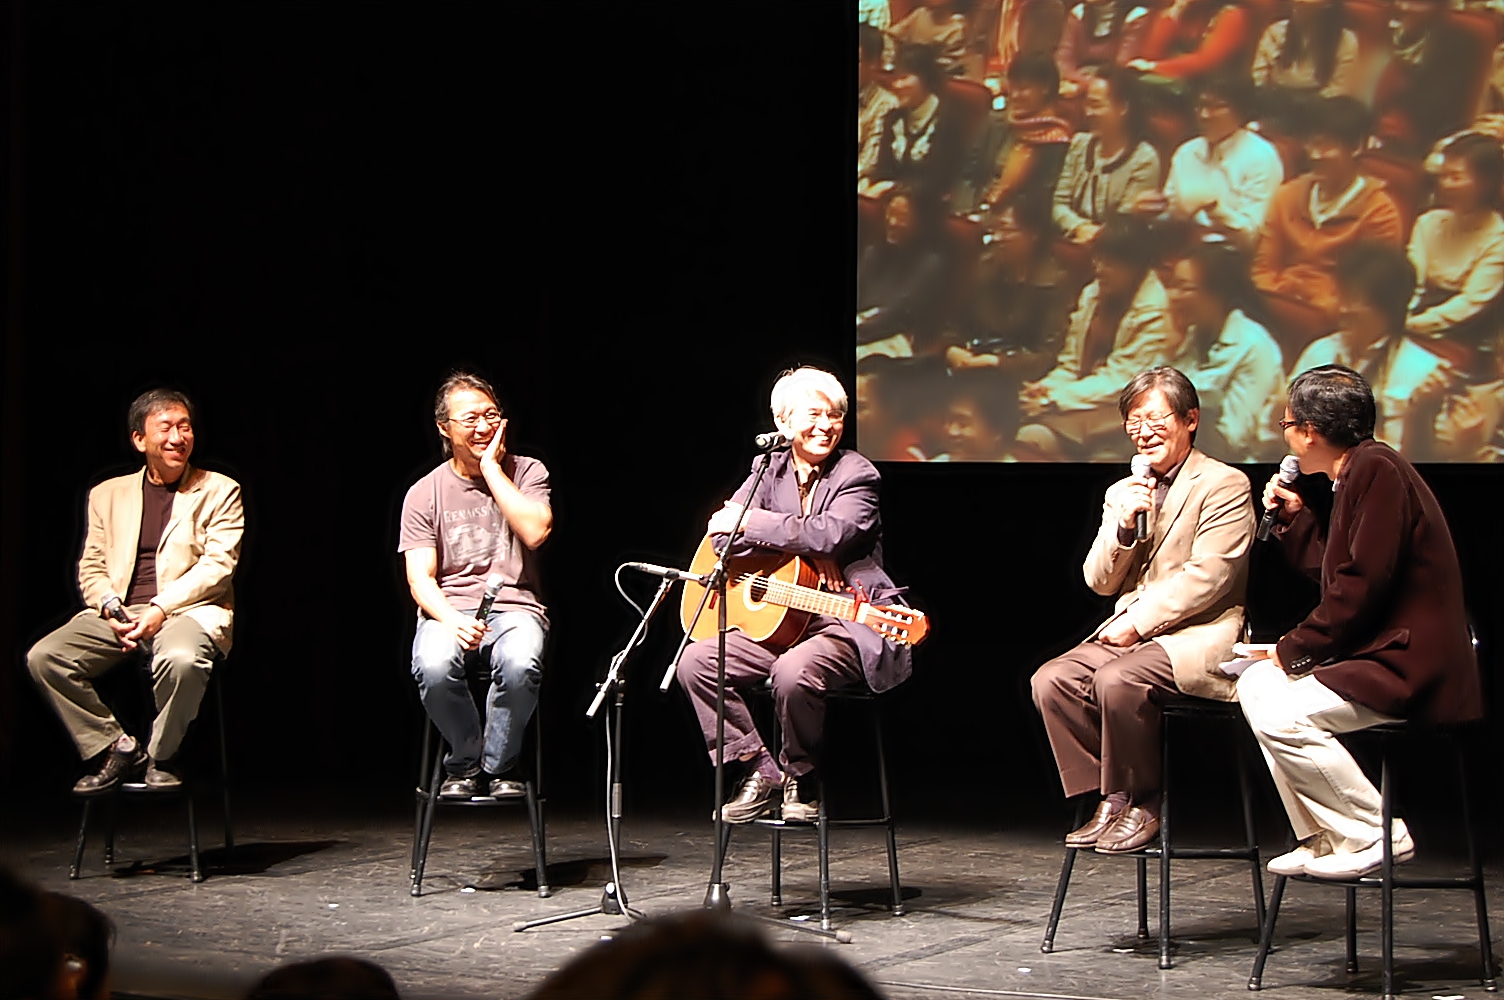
1388	640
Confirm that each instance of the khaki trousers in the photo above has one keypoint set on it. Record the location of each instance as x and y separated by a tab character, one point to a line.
1098	708
1295	720
65	662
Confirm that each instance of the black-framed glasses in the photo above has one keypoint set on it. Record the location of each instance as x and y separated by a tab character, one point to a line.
1285	425
472	420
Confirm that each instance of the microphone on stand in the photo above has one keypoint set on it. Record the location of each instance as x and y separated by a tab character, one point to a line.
1143	469
771	441
493	587
1289	471
666	572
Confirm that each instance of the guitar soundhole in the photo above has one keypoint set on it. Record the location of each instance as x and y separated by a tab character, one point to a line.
757	588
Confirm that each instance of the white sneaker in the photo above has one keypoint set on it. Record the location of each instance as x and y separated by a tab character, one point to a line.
1356	864
1294	863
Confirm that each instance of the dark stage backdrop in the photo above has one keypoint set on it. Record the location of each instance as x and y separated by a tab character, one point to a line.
631	217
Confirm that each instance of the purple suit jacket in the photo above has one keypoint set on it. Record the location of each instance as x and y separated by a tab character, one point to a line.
844	524
1391	630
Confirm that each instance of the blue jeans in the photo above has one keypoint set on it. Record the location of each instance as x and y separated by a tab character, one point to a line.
514	649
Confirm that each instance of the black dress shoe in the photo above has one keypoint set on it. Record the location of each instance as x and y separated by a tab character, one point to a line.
1134	828
1086	836
753	799
159	779
118	765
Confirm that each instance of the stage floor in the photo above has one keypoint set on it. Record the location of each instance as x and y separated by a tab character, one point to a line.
303	886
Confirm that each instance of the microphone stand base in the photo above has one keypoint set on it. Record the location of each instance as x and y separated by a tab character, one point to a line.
718	896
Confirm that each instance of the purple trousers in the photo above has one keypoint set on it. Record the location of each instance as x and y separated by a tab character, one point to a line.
823	659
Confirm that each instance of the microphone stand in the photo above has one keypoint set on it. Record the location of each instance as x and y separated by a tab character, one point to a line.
718	893
613	895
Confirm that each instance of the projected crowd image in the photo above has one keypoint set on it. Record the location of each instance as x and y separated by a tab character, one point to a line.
1054	198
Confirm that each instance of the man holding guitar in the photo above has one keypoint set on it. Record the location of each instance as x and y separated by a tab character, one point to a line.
820	505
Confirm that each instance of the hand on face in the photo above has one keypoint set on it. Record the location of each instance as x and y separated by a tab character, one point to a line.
497	449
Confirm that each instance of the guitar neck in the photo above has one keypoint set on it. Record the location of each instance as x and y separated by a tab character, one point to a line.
791	595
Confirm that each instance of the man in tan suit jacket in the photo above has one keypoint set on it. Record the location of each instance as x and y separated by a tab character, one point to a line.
161	548
1179	610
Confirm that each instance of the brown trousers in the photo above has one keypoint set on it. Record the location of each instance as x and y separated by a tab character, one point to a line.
1098	708
824	659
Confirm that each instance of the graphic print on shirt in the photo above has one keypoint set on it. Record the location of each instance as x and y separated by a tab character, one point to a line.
475	539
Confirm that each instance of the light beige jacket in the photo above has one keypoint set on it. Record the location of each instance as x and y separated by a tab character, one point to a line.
195	558
1184	585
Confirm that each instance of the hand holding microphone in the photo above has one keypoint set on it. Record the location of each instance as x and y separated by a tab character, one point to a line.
1278	495
468	630
1140	499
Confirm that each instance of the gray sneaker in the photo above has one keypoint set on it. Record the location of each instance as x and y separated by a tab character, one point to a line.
795	811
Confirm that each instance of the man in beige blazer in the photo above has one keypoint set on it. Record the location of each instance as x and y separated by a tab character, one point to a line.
161	548
1179	610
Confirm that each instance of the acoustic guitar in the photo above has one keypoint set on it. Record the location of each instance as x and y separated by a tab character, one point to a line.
769	598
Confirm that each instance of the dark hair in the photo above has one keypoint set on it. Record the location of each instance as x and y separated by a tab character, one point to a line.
1485	159
1124	87
995	396
924	62
155	401
85	934
1342	118
1035	68
1321	46
1126	239
1179	392
1226	272
869	42
1238	91
458	380
1032	212
327	979
1382	276
30	955
1335	402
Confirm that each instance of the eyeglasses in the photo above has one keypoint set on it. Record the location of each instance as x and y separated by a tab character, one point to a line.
1154	425
1285	425
472	420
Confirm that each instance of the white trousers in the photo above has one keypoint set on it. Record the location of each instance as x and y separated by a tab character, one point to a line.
1295	720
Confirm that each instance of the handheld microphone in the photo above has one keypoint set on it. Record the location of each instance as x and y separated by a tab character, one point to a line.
1289	471
1143	469
664	571
771	440
493	587
112	607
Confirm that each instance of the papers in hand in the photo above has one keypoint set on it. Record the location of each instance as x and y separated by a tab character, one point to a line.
1247	653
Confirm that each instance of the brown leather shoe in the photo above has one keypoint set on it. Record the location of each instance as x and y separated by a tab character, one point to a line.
795	811
1135	828
159	779
118	765
1087	835
753	799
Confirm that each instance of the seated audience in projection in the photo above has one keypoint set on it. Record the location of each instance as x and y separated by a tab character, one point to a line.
1023	298
1313	219
873	100
1034	142
922	143
1309	52
900	282
938	24
1469	421
1192	39
1121	327
1028	28
1108	166
891	394
1232	361
1374	285
982	417
1423	92
1224	178
1099	34
1458	253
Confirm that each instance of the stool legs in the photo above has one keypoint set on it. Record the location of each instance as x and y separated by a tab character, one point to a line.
1387	869
1250	835
535	820
882	780
1048	944
1475	871
195	869
1352	930
1256	979
224	768
78	849
425	827
822	832
776	896
1143	898
420	800
1164	848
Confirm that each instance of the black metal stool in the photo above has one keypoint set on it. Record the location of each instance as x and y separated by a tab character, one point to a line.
426	798
139	791
1179	707
823	823
1387	881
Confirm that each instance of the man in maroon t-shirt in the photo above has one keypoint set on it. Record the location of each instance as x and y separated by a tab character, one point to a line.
478	517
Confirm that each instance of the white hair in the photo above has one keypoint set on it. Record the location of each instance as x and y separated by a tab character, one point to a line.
802	385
